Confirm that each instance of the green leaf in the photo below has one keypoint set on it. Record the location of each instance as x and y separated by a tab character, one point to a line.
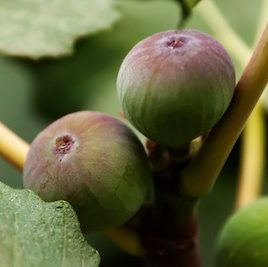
34	233
87	79
38	28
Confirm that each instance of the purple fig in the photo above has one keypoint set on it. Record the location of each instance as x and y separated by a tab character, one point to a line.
175	85
93	161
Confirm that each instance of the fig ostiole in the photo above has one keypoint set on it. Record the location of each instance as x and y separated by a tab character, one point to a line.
93	161
175	85
243	240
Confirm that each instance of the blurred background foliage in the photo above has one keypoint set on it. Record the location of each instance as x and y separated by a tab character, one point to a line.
34	93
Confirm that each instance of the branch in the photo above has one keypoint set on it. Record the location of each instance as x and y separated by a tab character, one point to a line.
253	141
200	176
12	147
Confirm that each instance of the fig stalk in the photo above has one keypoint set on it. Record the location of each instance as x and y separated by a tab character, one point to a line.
169	231
254	137
200	177
254	141
12	147
181	251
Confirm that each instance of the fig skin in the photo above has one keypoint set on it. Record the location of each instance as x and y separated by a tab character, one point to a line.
93	161
175	85
244	238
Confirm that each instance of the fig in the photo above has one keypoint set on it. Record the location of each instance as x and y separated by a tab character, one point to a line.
175	85
244	238
93	161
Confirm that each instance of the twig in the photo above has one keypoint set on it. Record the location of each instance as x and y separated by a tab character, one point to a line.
12	147
200	176
251	171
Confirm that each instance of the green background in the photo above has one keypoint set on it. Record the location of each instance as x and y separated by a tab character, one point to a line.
34	93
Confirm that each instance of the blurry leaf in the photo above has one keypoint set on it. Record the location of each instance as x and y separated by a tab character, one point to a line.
34	233
87	79
37	28
66	85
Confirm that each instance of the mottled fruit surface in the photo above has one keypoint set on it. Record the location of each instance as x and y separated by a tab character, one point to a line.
175	85
244	238
93	161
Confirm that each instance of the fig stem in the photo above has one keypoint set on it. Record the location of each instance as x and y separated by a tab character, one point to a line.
199	178
169	230
253	142
12	147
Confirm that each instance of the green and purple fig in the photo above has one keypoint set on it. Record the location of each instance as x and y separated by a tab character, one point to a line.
175	85
244	238
93	161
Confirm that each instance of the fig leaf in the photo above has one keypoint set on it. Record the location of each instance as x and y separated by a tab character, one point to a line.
41	28
36	233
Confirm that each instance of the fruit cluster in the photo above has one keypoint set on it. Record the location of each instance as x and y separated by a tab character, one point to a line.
173	86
